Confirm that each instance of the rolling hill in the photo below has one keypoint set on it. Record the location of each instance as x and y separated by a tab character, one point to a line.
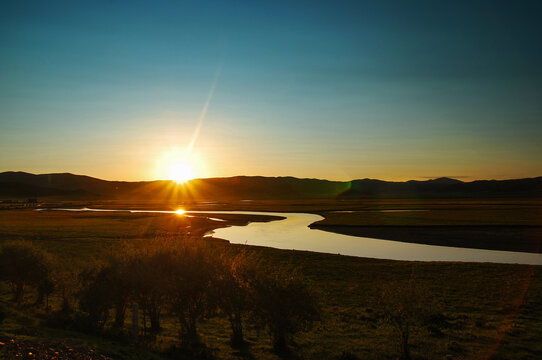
68	186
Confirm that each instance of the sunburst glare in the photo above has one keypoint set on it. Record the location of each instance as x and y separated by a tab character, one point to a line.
180	172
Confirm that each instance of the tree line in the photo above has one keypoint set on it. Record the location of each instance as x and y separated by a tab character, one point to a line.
190	280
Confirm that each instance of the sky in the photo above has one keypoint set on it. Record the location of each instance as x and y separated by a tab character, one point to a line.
394	90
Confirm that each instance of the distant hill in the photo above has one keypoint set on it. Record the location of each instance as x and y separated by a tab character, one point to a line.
445	187
75	187
10	190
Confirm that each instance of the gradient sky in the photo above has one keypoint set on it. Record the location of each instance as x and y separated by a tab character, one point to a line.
393	90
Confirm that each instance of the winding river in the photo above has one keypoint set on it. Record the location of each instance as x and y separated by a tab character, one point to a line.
293	233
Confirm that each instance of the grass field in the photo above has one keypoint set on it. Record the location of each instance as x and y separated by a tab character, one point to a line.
497	225
485	310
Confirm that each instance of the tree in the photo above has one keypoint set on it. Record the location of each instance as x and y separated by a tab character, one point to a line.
151	263
285	305
95	297
120	287
68	283
151	275
23	264
109	287
189	289
2	313
233	287
405	306
45	288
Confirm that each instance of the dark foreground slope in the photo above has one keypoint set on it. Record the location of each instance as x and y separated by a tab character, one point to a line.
69	186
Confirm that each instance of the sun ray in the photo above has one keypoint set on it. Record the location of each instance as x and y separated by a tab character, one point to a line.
203	113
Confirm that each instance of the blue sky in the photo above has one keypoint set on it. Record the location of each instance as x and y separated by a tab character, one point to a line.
338	90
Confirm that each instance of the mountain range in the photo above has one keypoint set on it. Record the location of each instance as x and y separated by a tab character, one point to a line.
66	186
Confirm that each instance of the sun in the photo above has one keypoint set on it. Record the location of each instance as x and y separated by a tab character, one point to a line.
180	172
178	165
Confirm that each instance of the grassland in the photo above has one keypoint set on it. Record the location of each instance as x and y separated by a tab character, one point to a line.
497	225
485	310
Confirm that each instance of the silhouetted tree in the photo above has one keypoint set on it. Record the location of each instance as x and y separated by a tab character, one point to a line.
109	287
68	283
285	305
95	297
405	306
149	287
120	286
23	264
233	287
2	313
45	288
152	266
189	289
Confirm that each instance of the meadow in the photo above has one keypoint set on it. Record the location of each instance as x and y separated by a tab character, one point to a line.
477	310
496	225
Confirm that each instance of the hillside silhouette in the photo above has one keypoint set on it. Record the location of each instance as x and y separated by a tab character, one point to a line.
68	186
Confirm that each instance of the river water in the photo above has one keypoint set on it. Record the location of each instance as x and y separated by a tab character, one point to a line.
294	233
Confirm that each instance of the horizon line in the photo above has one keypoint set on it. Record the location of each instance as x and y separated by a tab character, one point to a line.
425	178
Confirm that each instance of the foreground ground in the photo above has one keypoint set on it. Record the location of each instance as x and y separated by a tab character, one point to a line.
485	310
